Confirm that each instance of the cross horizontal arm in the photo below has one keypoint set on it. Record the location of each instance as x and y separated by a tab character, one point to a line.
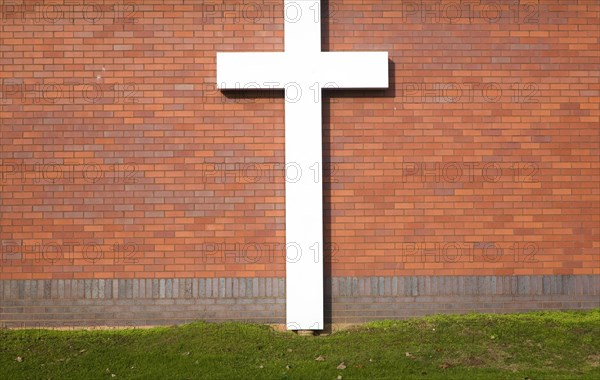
250	70
353	69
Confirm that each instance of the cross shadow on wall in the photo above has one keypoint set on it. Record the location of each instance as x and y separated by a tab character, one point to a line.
329	243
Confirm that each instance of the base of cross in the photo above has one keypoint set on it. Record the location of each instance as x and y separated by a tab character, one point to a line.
305	332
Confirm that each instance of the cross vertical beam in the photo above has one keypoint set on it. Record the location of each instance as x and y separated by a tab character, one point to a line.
302	26
304	211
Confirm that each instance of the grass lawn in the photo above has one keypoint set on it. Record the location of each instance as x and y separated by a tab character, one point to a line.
516	346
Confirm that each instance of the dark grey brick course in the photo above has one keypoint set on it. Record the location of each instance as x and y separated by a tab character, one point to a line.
137	302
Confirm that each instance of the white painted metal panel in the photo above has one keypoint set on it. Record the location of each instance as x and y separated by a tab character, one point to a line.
354	69
303	71
250	70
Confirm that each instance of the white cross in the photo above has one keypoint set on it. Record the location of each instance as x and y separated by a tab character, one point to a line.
302	71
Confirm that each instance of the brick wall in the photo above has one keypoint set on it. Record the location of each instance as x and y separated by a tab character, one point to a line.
120	160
